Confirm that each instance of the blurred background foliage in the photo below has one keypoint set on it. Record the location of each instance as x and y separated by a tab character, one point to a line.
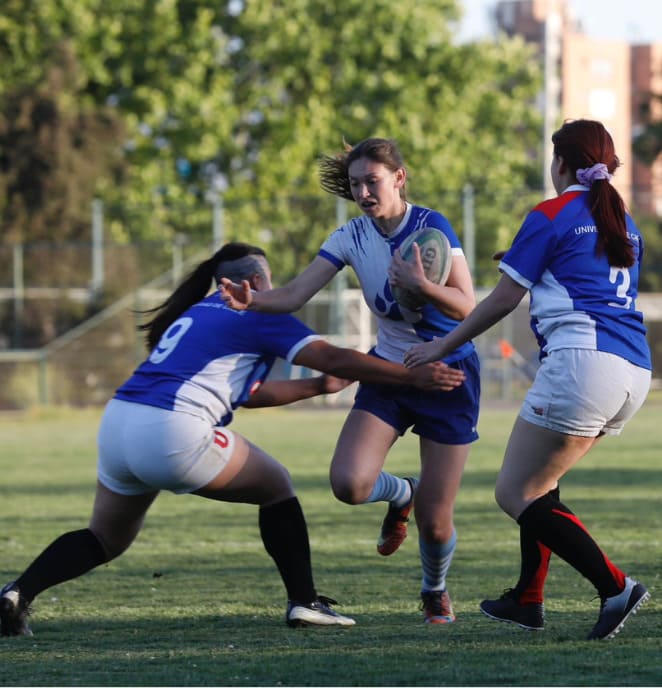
161	107
197	121
158	106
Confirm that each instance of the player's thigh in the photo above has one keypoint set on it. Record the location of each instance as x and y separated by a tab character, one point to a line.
534	461
250	476
362	447
117	518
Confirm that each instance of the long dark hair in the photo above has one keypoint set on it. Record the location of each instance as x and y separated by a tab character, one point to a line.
582	143
235	261
334	170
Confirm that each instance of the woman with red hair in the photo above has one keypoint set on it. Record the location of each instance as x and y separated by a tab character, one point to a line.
578	255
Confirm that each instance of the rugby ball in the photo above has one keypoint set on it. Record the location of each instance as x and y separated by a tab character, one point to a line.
436	257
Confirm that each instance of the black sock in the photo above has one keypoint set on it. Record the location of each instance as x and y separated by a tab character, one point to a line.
69	556
285	536
535	558
556	526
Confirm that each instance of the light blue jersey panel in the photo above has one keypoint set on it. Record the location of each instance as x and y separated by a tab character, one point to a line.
362	246
577	299
211	359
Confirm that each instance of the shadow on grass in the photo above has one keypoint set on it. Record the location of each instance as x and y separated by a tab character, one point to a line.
384	649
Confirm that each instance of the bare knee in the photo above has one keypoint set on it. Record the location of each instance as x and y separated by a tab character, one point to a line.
275	488
440	532
507	501
113	543
350	491
435	524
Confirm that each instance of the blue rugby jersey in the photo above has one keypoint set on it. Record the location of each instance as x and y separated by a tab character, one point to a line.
360	244
211	359
577	300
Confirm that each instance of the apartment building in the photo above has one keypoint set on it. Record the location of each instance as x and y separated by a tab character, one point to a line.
611	81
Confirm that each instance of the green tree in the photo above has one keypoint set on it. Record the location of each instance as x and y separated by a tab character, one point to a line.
157	66
53	149
647	145
461	114
240	99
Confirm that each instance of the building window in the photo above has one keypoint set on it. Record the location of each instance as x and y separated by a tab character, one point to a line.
602	104
602	68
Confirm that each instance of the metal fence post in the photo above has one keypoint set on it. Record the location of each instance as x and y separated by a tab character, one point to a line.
97	248
43	379
19	293
217	222
469	241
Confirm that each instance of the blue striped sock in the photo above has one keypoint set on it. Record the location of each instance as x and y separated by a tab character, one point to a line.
390	488
436	560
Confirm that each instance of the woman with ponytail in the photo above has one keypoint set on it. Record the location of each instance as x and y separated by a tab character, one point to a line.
166	429
579	256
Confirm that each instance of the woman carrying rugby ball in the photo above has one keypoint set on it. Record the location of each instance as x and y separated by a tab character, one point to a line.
373	175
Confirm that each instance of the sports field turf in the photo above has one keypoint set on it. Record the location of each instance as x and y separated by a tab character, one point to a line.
197	601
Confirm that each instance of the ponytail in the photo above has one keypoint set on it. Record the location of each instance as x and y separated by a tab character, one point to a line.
588	151
236	261
192	290
608	210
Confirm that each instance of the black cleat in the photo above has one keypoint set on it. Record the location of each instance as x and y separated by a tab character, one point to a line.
614	611
14	611
529	616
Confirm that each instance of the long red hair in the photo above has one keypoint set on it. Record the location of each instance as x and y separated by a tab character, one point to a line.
582	143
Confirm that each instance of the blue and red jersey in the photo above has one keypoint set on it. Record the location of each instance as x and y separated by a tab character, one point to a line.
577	299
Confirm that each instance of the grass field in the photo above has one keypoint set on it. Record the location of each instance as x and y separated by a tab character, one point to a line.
197	602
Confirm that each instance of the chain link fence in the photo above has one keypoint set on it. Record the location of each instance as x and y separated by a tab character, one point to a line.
68	316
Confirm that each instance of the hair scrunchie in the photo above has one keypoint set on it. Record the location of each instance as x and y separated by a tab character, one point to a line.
587	176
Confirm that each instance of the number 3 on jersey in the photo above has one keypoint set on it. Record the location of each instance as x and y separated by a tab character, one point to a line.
169	339
622	289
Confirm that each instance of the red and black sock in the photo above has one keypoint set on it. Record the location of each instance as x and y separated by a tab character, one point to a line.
558	528
535	558
285	536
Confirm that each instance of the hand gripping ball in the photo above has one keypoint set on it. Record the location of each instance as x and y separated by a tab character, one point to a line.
436	257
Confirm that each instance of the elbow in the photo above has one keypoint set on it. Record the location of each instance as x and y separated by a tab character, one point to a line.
335	363
323	357
461	313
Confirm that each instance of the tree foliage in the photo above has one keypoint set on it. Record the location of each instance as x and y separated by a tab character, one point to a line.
647	144
169	103
355	76
52	151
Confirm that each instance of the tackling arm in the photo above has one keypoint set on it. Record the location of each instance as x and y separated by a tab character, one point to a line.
351	364
286	391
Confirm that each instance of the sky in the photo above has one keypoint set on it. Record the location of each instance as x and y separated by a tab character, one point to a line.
634	21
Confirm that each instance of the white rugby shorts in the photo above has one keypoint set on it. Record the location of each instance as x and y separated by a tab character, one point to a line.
585	392
144	448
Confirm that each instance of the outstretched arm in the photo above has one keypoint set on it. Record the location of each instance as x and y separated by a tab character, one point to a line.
280	392
286	299
351	364
500	302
